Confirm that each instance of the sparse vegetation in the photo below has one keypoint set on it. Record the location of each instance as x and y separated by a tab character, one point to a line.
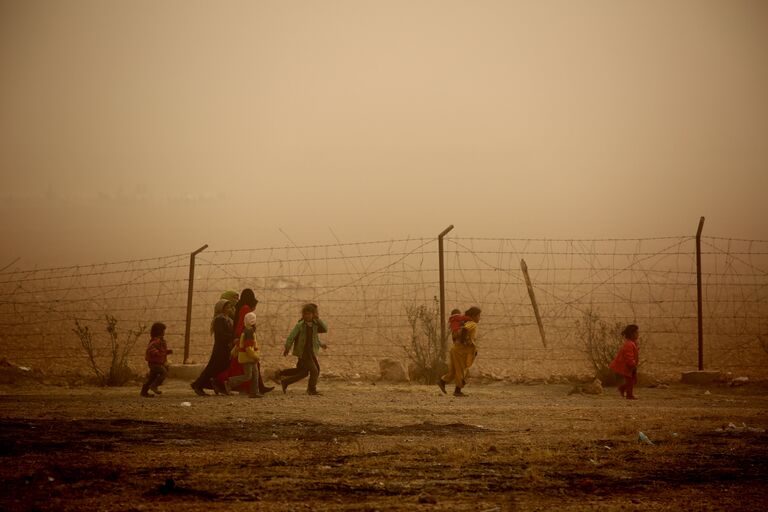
118	372
425	348
601	341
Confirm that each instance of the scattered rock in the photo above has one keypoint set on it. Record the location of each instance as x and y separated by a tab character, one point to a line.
589	388
586	485
740	381
426	498
392	371
740	428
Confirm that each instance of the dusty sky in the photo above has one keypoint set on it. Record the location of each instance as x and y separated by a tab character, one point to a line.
144	128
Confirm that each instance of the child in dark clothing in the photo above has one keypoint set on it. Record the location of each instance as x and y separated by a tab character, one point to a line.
303	338
157	360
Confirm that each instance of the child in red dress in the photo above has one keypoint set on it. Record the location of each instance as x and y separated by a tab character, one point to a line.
625	362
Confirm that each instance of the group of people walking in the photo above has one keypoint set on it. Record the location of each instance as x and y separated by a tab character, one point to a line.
235	361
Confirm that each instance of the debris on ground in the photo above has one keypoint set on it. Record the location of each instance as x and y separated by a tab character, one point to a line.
642	438
731	427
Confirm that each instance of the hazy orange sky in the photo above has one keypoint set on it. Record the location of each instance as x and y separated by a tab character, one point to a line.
144	128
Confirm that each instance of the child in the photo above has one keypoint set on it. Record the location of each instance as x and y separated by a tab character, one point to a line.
248	356
157	360
306	345
456	321
625	362
464	349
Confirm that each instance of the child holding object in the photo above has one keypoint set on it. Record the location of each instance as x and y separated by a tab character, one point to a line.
625	362
157	360
248	357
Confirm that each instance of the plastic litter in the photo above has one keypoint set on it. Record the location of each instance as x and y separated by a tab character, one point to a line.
642	438
186	404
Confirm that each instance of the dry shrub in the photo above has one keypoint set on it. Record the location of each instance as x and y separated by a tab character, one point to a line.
600	342
118	372
425	349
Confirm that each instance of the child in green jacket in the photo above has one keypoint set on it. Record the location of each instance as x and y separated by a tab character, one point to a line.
306	345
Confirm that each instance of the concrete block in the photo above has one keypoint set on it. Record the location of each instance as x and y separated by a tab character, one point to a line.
188	372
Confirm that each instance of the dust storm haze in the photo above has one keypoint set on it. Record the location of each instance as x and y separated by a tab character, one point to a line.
143	128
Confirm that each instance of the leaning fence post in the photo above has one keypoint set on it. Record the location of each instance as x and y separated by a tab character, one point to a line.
535	305
442	282
189	299
698	295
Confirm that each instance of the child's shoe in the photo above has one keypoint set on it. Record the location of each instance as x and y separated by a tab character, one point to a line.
145	391
255	395
155	390
198	389
313	392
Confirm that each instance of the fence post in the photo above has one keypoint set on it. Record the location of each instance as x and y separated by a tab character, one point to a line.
442	282
698	295
535	305
189	299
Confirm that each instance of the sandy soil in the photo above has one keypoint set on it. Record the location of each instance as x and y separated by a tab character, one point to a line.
365	446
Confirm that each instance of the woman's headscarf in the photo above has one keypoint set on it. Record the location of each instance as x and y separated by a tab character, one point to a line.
230	295
246	297
218	310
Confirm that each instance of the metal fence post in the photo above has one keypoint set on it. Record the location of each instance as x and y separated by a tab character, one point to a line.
189	299
698	294
442	282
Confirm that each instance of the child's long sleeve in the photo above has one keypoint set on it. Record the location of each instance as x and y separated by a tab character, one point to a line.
292	336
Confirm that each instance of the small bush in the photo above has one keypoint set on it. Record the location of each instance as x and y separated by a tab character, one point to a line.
425	348
118	372
601	342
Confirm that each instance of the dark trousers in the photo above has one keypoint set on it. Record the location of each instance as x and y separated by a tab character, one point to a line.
155	377
304	367
217	364
628	387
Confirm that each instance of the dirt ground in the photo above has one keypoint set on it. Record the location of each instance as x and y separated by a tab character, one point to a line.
366	446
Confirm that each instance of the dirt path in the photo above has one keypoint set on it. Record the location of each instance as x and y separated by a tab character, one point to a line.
375	447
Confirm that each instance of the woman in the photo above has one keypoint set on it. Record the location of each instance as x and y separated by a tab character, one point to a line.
245	305
222	330
463	351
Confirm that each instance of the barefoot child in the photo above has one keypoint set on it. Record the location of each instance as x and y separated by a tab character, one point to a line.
157	360
625	362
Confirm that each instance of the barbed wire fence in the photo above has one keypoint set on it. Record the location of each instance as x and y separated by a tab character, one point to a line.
365	288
